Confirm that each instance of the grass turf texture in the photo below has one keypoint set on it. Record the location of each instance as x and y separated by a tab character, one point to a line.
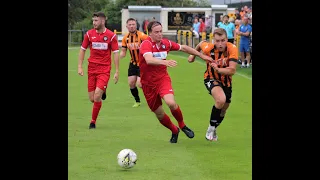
92	153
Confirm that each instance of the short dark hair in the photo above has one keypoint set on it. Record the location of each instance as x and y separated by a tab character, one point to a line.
153	24
99	14
226	16
131	19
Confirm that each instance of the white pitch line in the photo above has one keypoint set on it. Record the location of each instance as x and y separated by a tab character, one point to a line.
72	48
202	62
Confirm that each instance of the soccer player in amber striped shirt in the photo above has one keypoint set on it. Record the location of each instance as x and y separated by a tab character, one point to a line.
218	76
131	41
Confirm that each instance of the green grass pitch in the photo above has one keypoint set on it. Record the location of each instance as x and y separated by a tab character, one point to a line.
92	153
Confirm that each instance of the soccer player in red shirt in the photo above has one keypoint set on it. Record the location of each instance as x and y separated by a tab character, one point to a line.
101	41
155	80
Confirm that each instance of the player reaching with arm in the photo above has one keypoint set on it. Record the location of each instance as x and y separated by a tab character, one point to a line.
218	76
102	42
155	80
132	41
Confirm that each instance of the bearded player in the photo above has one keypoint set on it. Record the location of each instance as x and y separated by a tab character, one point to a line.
102	42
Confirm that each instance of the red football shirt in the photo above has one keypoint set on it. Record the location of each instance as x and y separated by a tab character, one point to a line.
101	45
151	74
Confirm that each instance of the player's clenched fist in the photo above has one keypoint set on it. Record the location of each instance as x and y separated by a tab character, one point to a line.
191	58
116	77
171	63
214	65
80	71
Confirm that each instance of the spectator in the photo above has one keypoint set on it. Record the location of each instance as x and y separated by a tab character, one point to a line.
195	33
237	14
220	22
196	25
138	25
229	27
145	25
244	32
202	27
208	24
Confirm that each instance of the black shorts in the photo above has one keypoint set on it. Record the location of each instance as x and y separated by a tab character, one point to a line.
133	70
208	83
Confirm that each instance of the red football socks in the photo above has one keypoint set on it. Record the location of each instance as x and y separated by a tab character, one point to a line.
168	124
95	111
177	114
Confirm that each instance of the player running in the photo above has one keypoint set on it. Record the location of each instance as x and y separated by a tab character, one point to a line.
101	41
218	76
132	41
155	80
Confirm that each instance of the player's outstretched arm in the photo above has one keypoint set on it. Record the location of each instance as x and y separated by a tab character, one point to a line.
192	51
191	58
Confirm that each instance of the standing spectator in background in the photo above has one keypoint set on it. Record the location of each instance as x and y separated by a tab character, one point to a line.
245	31
229	27
242	12
145	25
138	25
237	14
208	24
237	24
195	33
202	27
196	25
153	19
249	14
220	22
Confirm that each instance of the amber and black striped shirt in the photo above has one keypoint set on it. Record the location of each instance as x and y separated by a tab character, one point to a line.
132	42
222	59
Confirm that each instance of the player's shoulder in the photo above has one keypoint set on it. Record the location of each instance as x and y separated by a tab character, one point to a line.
140	33
147	41
108	32
126	35
91	31
166	41
206	46
231	47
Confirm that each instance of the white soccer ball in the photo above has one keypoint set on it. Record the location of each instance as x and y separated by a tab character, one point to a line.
127	158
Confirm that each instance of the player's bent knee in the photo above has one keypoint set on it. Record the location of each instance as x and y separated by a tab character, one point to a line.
171	103
220	101
159	112
97	96
132	85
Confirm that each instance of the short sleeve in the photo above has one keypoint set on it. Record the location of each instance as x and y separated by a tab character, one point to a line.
85	42
114	43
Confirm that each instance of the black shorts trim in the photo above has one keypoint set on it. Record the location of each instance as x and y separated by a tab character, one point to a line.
133	70
211	83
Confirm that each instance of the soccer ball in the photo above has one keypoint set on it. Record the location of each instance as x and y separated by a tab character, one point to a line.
127	158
